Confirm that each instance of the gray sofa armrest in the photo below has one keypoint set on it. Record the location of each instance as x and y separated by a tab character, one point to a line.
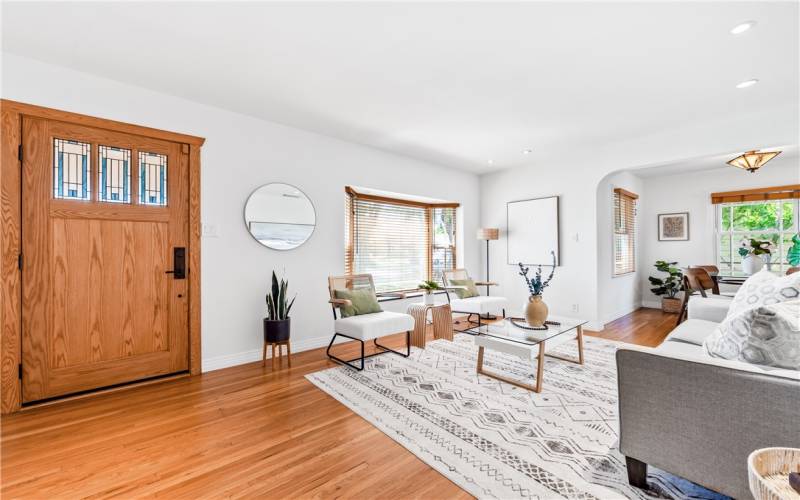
701	420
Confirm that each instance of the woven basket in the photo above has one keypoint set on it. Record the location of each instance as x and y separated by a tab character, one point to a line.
768	471
670	305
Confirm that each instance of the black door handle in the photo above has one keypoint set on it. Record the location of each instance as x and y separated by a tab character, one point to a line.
178	263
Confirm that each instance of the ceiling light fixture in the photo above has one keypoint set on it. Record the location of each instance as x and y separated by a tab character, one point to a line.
753	160
741	28
527	151
747	83
490	162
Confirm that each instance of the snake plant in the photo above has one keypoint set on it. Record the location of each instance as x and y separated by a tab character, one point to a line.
278	305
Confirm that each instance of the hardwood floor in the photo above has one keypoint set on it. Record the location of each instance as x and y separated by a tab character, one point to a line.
647	327
245	431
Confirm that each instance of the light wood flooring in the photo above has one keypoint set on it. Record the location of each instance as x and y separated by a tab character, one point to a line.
245	431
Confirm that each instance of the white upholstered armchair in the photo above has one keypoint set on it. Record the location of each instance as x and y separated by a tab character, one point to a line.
480	305
361	327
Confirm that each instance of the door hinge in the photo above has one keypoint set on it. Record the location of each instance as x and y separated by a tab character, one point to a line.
19	262
19	153
19	370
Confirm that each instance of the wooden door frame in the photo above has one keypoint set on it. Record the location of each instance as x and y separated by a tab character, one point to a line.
11	113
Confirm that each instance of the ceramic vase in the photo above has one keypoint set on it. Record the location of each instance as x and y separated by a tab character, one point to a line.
536	311
429	299
752	264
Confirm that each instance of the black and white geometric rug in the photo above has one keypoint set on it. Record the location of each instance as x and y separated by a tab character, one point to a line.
496	440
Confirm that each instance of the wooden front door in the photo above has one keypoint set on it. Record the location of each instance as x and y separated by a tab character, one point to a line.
104	219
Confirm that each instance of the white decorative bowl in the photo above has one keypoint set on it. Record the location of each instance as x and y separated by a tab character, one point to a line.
768	471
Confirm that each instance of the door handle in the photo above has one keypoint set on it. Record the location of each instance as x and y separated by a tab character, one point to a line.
178	263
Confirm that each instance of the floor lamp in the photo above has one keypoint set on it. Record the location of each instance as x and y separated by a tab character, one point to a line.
488	234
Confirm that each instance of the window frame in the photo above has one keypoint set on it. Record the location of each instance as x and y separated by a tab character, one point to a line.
350	244
619	193
735	236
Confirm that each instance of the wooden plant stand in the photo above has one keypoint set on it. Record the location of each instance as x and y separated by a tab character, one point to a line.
280	355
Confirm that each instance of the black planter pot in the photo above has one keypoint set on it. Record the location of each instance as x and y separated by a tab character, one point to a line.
276	330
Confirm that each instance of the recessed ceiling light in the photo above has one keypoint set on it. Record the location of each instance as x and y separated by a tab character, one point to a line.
490	162
527	151
747	83
741	28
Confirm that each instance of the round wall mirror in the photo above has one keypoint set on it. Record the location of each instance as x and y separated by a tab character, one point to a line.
279	216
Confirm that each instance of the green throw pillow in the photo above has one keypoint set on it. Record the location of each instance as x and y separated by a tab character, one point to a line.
364	302
464	293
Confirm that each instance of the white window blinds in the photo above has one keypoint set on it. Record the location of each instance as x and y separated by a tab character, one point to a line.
400	243
624	231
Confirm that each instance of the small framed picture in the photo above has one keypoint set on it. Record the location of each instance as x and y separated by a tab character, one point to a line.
673	227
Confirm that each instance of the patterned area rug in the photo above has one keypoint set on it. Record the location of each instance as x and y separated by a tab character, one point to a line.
496	440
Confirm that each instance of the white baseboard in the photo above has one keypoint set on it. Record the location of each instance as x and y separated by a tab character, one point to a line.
251	356
240	358
652	304
622	311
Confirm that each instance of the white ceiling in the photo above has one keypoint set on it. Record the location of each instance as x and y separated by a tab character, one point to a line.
451	83
790	155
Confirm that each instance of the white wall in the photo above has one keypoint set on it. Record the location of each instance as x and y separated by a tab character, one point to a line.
570	286
243	152
240	154
691	192
617	295
575	175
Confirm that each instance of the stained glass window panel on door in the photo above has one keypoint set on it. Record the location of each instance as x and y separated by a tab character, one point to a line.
152	178
115	174
71	167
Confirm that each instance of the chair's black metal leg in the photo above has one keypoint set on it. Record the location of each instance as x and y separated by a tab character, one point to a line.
328	350
345	361
504	312
408	346
362	355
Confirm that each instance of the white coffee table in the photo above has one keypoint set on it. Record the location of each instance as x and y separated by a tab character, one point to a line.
527	344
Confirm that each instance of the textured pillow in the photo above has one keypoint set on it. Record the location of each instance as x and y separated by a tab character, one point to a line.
464	293
764	289
765	335
364	301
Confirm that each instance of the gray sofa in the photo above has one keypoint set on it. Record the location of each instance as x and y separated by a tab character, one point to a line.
700	417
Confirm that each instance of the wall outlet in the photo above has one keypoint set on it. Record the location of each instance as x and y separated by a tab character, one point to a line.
575	308
209	230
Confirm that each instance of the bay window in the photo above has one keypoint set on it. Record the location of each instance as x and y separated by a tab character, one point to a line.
400	242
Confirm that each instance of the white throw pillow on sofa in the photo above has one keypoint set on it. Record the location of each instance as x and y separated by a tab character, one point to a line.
763	323
764	335
763	289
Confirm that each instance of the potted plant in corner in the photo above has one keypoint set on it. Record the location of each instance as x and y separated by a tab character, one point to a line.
277	322
669	286
429	287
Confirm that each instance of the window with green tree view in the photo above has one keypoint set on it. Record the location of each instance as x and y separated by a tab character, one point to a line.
775	221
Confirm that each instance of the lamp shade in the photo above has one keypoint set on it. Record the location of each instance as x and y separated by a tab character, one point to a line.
753	160
488	233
